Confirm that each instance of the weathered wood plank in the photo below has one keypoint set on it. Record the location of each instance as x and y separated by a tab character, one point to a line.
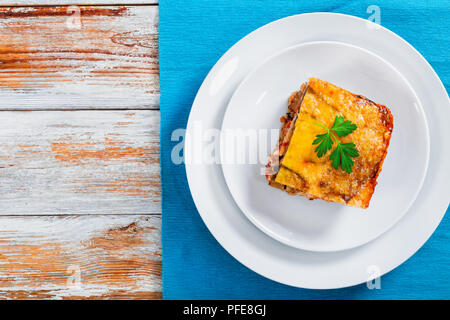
79	162
87	257
85	57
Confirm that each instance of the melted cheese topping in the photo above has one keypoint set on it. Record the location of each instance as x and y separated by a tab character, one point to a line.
316	177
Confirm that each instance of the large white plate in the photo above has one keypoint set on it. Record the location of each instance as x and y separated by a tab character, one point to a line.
254	112
262	253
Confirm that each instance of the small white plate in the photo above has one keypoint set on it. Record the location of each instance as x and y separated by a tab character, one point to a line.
255	109
267	256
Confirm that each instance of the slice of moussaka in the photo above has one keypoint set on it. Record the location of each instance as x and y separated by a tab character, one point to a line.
346	170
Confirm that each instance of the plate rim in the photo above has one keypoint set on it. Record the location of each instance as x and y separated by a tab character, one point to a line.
219	236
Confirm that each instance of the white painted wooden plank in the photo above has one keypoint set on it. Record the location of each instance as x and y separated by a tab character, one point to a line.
88	57
80	257
79	162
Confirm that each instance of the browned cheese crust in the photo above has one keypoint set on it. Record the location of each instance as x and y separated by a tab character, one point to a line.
295	168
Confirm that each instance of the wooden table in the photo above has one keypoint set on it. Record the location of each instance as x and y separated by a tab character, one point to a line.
79	150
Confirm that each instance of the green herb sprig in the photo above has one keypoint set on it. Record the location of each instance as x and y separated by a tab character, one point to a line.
343	153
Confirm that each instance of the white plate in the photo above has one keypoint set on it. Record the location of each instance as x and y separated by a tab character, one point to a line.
254	112
269	257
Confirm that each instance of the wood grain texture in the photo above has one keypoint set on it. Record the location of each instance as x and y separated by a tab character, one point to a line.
85	57
80	257
60	171
72	2
79	162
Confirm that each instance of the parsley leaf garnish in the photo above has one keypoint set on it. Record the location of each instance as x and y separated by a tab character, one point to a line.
343	153
325	143
341	127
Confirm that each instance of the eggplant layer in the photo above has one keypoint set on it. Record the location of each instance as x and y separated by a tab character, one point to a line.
287	129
